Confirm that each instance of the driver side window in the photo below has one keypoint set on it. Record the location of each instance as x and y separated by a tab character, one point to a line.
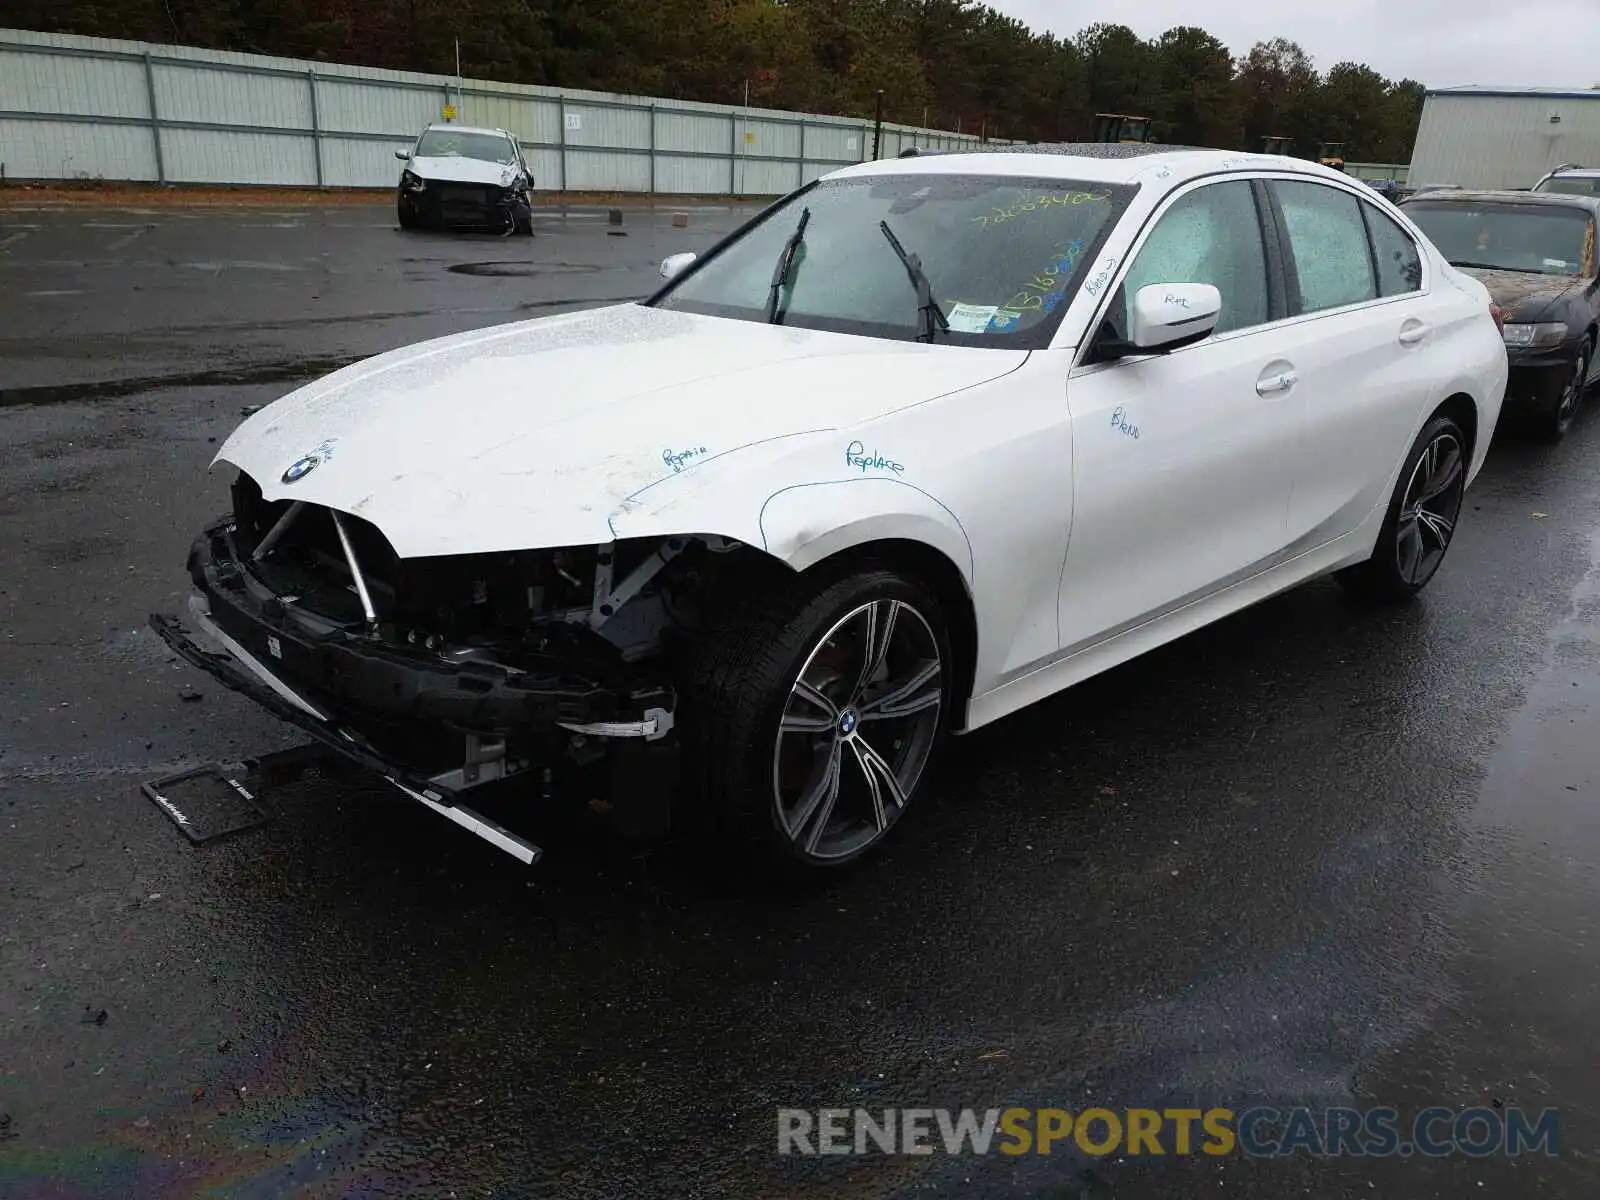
1210	235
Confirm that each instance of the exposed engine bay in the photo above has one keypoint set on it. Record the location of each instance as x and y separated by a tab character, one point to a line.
631	593
450	673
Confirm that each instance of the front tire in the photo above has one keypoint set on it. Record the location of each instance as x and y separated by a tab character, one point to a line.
1556	415
406	214
812	714
1421	520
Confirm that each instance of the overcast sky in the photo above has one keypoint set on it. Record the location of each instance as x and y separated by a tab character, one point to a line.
1540	43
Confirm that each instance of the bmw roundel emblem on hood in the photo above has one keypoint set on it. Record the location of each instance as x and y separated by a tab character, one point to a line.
299	469
302	467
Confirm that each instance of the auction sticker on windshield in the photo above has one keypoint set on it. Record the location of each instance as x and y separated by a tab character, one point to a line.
972	318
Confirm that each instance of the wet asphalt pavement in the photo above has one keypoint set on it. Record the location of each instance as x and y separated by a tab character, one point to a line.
1313	855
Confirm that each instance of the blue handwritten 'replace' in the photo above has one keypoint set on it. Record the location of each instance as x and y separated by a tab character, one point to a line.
855	454
677	458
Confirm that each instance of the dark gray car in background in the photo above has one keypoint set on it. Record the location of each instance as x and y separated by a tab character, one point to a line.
1536	253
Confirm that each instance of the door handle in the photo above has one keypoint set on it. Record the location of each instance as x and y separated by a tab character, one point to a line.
1276	385
1412	334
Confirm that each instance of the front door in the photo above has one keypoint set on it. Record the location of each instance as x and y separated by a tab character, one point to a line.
1182	462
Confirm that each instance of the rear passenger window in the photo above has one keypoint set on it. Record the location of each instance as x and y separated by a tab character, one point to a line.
1329	242
1399	264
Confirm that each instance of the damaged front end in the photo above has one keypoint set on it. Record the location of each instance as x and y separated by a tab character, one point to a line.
450	674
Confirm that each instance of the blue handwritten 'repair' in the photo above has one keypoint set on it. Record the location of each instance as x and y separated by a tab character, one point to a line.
676	458
855	455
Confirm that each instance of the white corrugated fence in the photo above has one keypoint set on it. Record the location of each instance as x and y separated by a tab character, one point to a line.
92	108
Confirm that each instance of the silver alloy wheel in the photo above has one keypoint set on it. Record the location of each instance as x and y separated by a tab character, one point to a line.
1429	511
857	729
1574	391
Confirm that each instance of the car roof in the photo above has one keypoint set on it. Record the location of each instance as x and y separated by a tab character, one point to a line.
1509	196
1093	162
1581	172
459	128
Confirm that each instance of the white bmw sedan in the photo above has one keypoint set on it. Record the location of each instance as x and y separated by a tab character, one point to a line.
924	442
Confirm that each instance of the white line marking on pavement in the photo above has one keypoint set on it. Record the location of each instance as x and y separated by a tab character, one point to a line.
129	237
57	292
11	239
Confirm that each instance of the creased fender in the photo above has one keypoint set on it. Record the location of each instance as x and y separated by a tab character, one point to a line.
806	522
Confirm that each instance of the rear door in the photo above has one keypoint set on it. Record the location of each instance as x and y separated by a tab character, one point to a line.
1363	335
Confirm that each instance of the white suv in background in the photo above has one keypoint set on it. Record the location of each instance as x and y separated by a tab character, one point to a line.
1571	179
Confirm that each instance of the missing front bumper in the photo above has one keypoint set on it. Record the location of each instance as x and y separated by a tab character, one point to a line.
237	669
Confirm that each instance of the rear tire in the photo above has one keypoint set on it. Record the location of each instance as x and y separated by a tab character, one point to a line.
1554	417
812	711
1420	523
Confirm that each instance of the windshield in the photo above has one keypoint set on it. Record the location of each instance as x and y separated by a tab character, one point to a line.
1511	237
1572	185
454	143
973	260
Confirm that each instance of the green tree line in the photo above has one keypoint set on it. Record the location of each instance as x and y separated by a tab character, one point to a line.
950	64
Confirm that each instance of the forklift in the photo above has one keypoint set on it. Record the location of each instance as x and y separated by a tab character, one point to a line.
1277	145
1121	128
1331	154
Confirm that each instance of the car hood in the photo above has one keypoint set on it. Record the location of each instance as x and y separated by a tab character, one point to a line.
539	433
462	170
1524	295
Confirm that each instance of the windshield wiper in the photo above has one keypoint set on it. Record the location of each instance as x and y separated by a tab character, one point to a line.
930	318
780	274
1478	266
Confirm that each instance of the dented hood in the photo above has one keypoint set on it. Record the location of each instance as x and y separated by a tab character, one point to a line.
1524	295
453	169
538	433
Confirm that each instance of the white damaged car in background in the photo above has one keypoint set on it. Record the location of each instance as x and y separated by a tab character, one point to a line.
460	177
925	442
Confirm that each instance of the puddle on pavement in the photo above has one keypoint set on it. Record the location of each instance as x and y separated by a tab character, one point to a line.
529	269
111	389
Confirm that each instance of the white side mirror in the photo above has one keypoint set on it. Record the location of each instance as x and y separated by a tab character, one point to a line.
674	264
1168	315
403	155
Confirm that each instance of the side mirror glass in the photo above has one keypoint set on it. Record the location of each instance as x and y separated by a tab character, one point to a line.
674	264
1166	316
403	155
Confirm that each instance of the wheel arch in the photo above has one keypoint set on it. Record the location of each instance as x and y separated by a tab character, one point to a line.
936	570
1463	410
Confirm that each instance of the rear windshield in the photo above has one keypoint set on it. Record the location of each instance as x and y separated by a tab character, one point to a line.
1538	238
1002	256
